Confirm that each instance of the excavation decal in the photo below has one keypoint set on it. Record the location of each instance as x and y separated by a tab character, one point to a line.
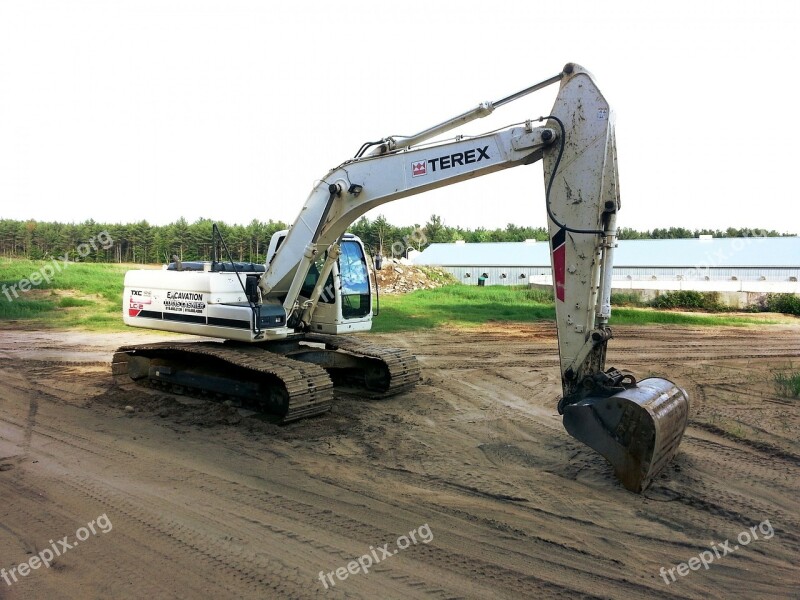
185	302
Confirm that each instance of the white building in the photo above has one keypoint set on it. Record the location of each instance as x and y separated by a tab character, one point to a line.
753	264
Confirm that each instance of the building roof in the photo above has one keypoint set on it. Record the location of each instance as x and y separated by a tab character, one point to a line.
717	252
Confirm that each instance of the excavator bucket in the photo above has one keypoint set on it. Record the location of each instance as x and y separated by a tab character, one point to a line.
637	430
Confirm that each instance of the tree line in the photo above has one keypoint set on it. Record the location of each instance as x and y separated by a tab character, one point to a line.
144	243
138	242
380	234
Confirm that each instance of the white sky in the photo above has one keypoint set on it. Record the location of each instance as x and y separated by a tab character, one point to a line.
121	111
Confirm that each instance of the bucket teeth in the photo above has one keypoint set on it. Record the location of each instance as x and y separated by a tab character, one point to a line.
637	430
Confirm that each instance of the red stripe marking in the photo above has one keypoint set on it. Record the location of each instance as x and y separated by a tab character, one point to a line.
559	270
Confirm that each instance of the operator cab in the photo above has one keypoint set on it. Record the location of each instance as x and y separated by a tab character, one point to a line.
345	304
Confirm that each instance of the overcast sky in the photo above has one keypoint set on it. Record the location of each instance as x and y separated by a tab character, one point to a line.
231	110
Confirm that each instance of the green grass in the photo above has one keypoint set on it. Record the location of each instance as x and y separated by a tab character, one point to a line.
470	306
461	306
89	296
787	384
85	295
25	309
70	302
643	316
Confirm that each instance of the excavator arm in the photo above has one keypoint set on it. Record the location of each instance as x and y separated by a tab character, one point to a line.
636	426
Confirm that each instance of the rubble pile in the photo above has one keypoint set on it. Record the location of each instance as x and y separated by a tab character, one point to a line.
398	276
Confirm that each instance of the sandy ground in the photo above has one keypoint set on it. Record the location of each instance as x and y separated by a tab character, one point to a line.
189	500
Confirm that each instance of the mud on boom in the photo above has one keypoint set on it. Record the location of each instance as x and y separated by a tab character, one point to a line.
282	326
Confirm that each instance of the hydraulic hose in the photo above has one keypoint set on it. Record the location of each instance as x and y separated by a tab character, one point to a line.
553	178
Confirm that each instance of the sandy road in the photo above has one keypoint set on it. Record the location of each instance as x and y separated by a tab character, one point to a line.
205	504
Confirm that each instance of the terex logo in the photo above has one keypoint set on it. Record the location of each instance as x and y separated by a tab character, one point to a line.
448	161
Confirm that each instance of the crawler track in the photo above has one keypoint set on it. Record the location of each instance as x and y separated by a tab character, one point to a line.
288	388
402	366
281	382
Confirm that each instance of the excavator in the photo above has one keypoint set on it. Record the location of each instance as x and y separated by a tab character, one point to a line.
278	330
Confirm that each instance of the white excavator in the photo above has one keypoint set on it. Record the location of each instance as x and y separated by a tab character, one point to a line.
279	345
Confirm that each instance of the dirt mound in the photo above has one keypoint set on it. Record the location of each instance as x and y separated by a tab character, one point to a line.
400	277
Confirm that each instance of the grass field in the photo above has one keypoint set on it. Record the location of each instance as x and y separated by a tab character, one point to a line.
89	296
469	306
80	295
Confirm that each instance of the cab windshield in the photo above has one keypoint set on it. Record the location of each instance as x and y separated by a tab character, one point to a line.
354	277
355	281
